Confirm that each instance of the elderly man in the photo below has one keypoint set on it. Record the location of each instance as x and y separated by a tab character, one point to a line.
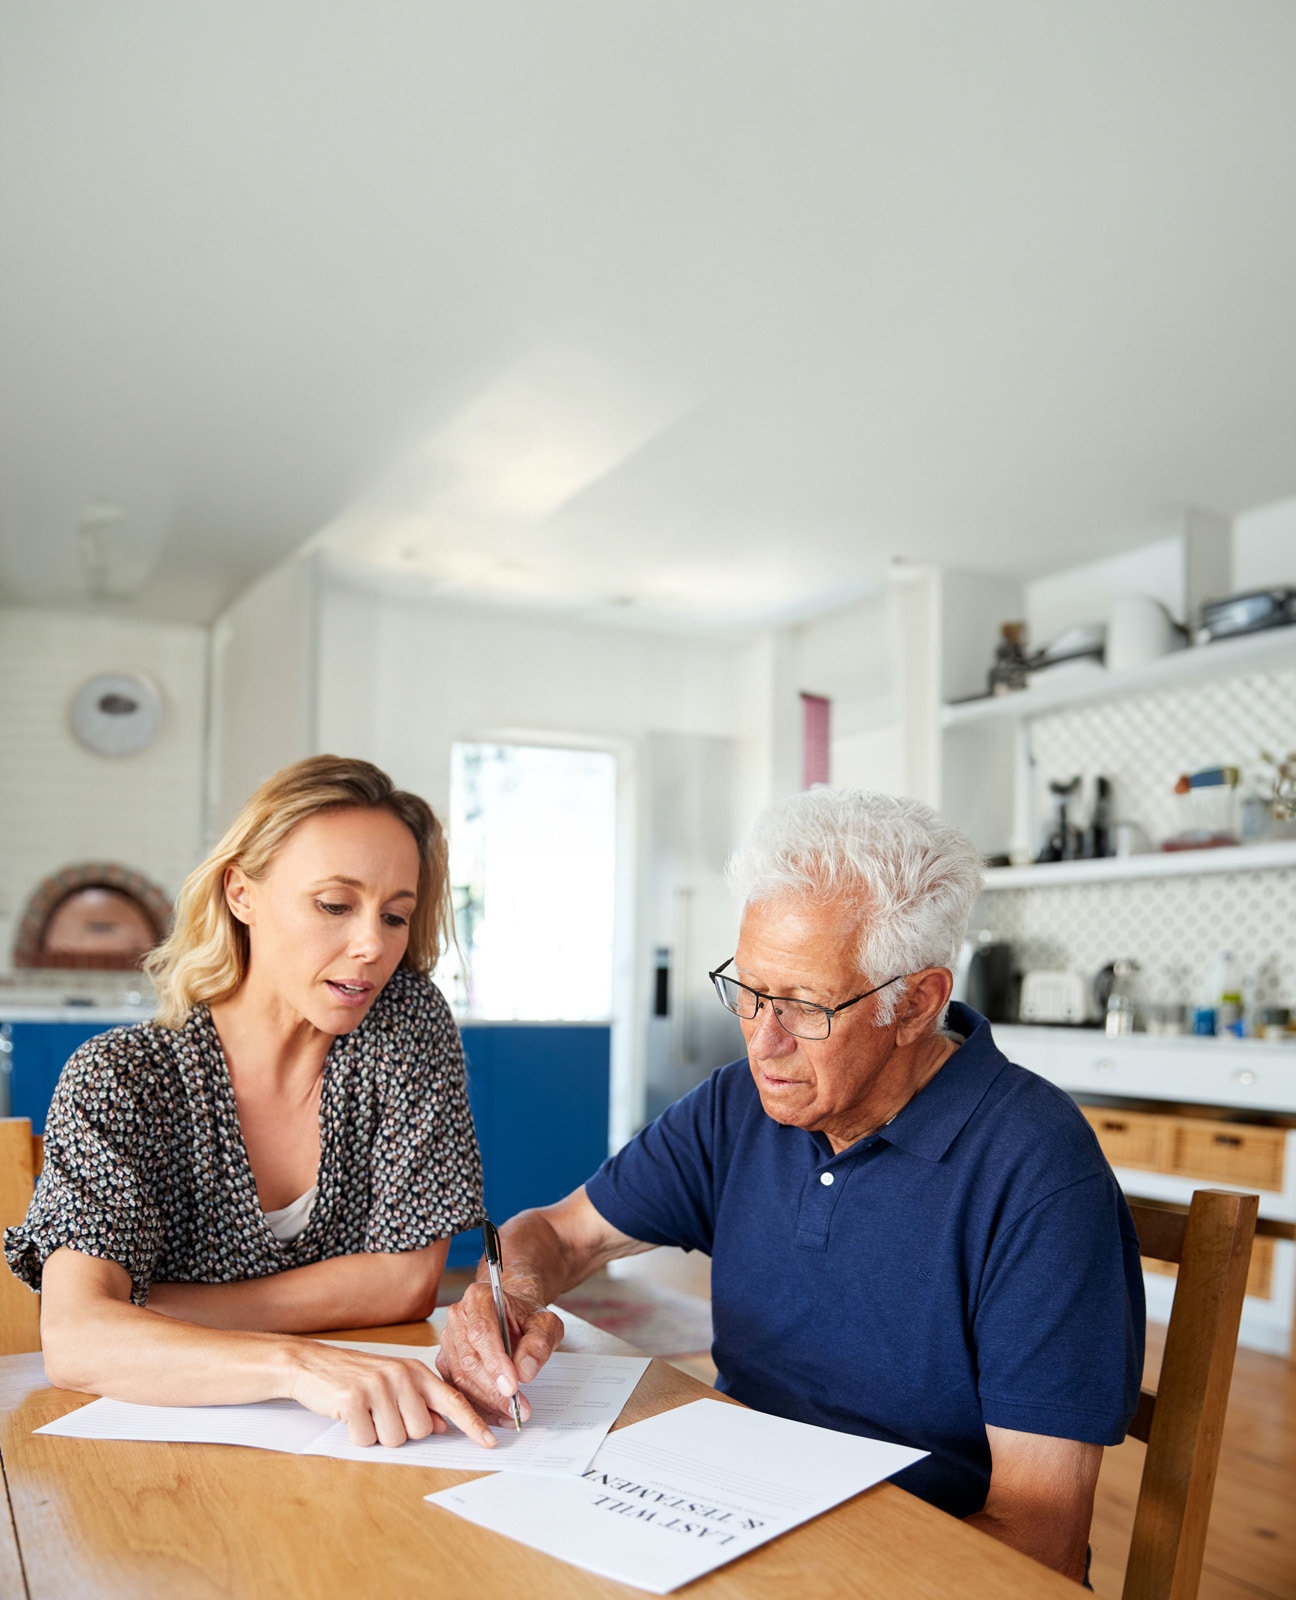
911	1238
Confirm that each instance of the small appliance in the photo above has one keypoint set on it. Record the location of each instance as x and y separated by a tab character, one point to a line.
992	981
1057	997
1246	613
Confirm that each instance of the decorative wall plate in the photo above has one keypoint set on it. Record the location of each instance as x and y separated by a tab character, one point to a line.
116	713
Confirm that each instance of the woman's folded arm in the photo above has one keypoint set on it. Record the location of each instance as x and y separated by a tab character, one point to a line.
353	1291
96	1341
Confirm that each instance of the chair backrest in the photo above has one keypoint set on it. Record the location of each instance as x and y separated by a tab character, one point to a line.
1182	1422
21	1155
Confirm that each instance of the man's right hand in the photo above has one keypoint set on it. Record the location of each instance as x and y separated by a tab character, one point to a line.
472	1352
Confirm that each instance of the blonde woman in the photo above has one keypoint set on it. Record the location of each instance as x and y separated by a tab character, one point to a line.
288	1145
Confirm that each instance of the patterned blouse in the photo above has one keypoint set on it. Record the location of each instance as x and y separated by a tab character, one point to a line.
145	1163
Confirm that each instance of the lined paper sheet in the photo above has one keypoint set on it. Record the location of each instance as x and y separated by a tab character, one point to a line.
669	1499
575	1399
267	1425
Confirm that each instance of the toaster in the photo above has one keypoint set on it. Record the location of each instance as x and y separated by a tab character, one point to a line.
1059	997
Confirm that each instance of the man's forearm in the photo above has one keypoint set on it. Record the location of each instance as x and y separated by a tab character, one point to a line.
549	1250
363	1290
1041	1497
536	1264
1054	1545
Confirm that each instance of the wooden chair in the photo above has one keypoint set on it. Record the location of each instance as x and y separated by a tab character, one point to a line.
21	1158
1182	1422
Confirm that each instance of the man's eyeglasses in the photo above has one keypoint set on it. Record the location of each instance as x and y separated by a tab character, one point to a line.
801	1018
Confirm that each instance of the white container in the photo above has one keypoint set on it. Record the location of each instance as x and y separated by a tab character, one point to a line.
1140	630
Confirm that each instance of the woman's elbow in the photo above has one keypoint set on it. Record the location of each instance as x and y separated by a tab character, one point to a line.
418	1280
68	1354
420	1298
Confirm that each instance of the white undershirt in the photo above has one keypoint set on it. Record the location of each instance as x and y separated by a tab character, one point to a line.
289	1223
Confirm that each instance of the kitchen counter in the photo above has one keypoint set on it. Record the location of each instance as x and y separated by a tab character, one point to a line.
1256	1075
106	1015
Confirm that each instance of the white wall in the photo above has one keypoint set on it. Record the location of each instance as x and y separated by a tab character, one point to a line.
401	680
852	657
1085	594
1197	561
1264	547
886	662
59	803
263	688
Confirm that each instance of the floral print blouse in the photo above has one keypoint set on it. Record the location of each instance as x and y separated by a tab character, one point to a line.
145	1163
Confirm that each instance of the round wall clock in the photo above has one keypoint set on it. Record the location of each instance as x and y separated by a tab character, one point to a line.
116	713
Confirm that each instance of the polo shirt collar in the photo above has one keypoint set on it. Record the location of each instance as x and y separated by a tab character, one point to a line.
937	1114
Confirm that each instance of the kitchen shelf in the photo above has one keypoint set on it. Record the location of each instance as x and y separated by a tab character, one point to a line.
1084	683
1159	864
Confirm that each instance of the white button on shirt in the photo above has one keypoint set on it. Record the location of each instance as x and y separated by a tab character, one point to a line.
825	1178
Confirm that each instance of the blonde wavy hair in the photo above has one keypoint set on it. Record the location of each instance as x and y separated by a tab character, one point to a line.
205	958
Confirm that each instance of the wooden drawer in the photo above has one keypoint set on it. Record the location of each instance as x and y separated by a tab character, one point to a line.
1133	1138
1259	1275
1229	1152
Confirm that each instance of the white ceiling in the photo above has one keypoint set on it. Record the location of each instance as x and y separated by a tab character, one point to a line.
656	308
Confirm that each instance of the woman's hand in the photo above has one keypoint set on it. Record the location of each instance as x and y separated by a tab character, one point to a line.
382	1399
97	1342
472	1352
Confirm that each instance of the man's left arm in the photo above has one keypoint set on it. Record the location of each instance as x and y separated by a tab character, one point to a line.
1041	1497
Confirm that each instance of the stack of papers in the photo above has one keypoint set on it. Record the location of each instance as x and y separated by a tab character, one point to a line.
574	1399
673	1497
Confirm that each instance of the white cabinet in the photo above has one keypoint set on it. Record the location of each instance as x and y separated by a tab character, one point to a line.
1245	1074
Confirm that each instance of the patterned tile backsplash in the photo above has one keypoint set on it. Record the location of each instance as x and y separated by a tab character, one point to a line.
1173	927
1144	742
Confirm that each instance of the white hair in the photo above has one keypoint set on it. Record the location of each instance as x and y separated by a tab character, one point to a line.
913	876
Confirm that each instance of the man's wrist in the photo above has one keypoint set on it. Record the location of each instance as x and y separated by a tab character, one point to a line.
519	1283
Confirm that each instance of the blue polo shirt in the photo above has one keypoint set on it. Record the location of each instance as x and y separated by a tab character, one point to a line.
972	1262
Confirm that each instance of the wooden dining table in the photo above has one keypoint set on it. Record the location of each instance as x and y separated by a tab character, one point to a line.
116	1520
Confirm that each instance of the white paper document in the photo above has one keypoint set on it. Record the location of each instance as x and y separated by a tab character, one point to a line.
574	1399
669	1499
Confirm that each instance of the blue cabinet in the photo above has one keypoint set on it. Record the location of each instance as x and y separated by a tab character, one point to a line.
539	1095
39	1052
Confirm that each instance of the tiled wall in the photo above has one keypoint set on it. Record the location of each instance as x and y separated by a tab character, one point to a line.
1144	742
1174	927
61	804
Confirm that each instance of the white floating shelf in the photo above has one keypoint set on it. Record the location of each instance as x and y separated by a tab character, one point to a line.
1161	864
1083	683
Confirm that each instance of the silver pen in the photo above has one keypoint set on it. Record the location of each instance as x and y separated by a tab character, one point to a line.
491	1241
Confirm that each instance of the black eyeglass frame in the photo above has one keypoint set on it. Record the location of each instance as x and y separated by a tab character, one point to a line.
829	1011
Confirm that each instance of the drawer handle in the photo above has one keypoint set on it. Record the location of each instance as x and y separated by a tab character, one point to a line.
1244	1076
1106	1066
1227	1138
1114	1127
